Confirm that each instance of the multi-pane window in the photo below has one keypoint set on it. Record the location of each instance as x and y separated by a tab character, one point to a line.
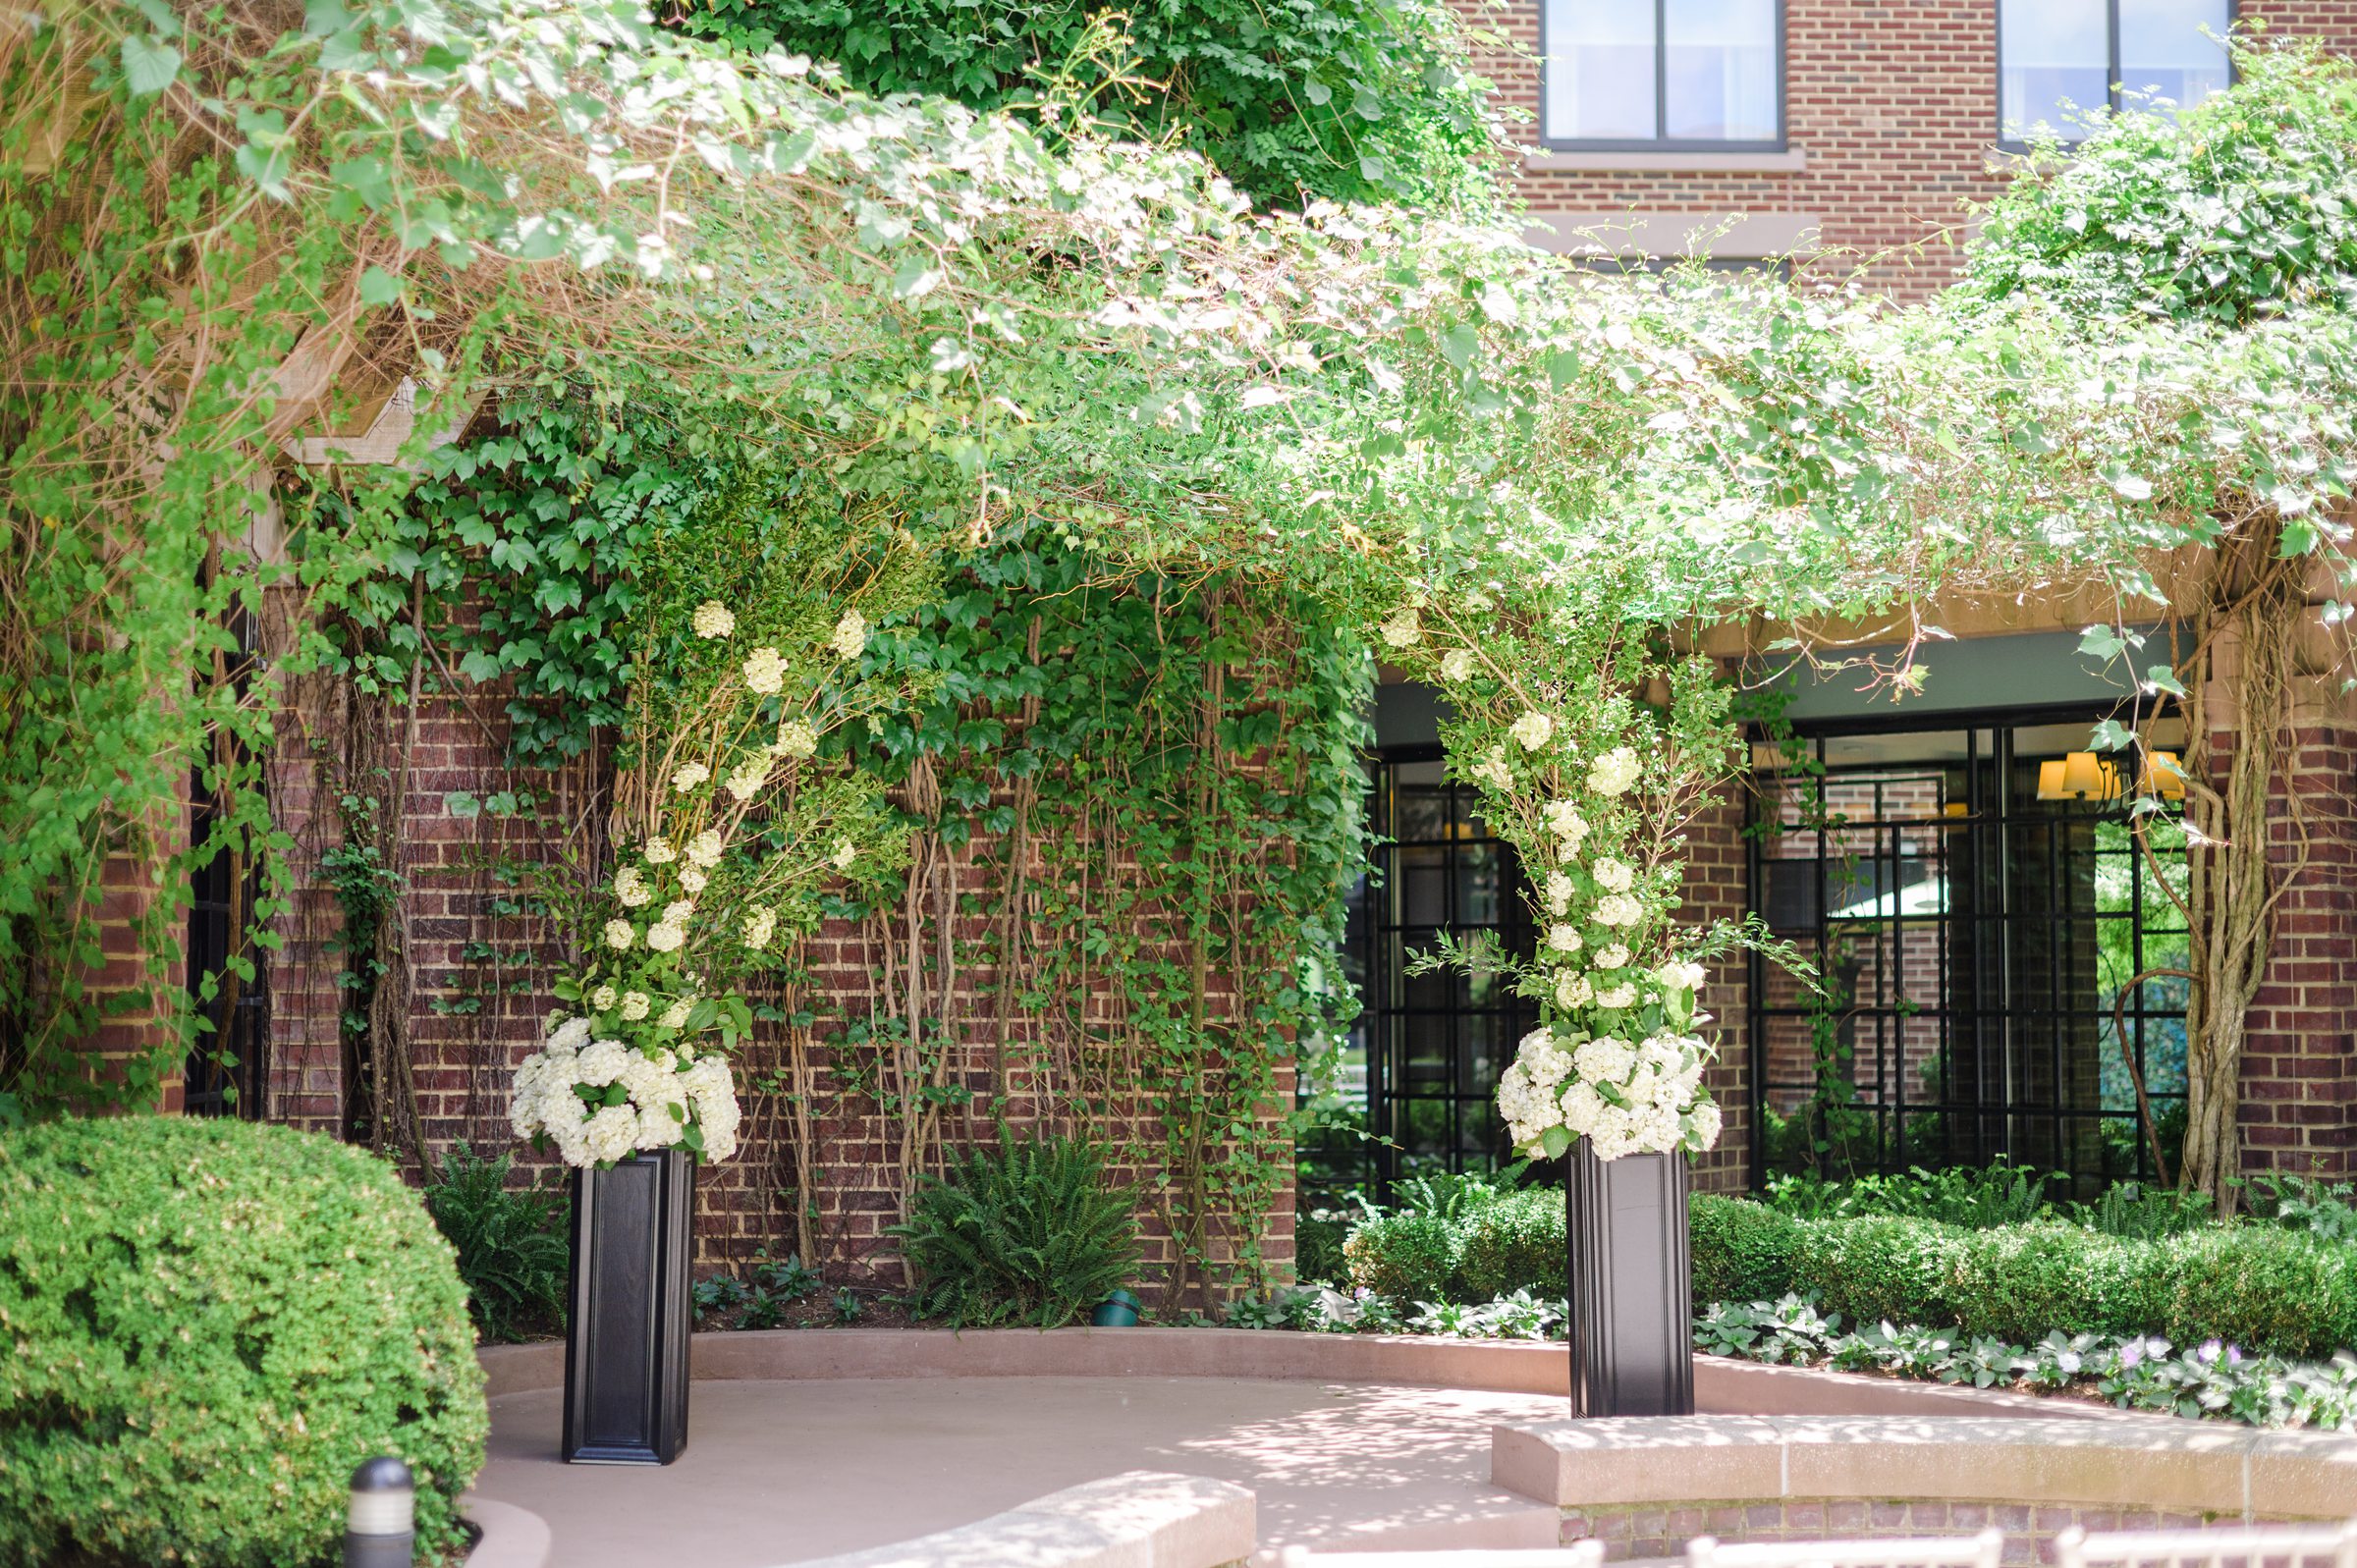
2059	61
1641	74
1424	1058
1994	945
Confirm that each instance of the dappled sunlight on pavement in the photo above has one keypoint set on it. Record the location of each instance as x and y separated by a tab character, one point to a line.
777	1472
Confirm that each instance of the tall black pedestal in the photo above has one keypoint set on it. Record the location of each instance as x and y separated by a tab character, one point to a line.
625	1341
1632	1294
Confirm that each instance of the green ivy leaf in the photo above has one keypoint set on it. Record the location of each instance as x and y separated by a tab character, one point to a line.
149	65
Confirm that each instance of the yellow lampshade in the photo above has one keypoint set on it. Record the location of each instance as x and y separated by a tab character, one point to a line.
2163	775
2080	776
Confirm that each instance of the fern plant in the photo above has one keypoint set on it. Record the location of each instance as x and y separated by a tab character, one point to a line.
1027	1232
511	1244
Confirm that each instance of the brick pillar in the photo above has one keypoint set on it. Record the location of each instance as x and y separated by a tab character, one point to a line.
2299	1070
134	1036
303	1059
1717	889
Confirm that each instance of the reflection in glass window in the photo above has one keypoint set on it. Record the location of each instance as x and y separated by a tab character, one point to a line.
2064	61
1995	951
1704	73
1719	70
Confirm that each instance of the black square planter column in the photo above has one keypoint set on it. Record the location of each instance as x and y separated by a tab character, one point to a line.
1632	1294
626	1339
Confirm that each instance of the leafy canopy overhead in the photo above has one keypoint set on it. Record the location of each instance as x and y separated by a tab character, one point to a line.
1350	100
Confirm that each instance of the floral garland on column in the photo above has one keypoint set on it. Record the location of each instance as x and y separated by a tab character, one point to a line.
727	828
1591	786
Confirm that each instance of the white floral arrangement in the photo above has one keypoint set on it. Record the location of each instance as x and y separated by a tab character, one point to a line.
643	1066
1618	1060
600	1100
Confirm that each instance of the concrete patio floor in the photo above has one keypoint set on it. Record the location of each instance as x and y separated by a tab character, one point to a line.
781	1472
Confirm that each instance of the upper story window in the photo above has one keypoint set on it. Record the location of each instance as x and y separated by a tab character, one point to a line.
2059	60
1645	74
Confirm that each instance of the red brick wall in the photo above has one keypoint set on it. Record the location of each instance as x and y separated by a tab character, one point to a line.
477	987
2299	1074
1717	889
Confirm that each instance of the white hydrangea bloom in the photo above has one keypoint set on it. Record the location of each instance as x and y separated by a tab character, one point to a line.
1563	939
1611	957
795	740
1682	975
1458	663
601	1063
620	933
603	998
1616	997
1573	991
1605	1059
1559	892
629	886
687	777
634	1005
659	852
704	848
571	1035
612	1133
1567	823
675	1017
764	671
1613	876
851	636
1614	771
1404	630
1618	909
1493	770
694	880
746	780
846	852
759	927
712	618
664	937
1532	730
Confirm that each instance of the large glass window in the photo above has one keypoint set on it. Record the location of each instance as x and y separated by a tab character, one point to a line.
1421	1069
1988	926
2059	61
1688	73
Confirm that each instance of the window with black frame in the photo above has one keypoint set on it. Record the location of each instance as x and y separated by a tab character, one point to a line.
1695	75
1425	1055
2061	60
1992	918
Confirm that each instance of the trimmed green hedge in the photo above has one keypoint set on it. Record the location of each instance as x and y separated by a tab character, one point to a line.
208	1324
1409	1256
1513	1243
2258	1286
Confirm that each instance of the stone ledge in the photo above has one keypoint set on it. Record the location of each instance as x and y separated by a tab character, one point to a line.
1722	1386
1142	1519
512	1536
2199	1468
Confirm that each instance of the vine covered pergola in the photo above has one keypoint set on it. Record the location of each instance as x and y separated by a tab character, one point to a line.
882	343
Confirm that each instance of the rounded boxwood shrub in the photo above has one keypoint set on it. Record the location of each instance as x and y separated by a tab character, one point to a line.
207	1326
2022	1282
2259	1287
1740	1250
1409	1256
1513	1242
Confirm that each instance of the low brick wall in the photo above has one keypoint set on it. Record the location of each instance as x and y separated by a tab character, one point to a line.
1642	1532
